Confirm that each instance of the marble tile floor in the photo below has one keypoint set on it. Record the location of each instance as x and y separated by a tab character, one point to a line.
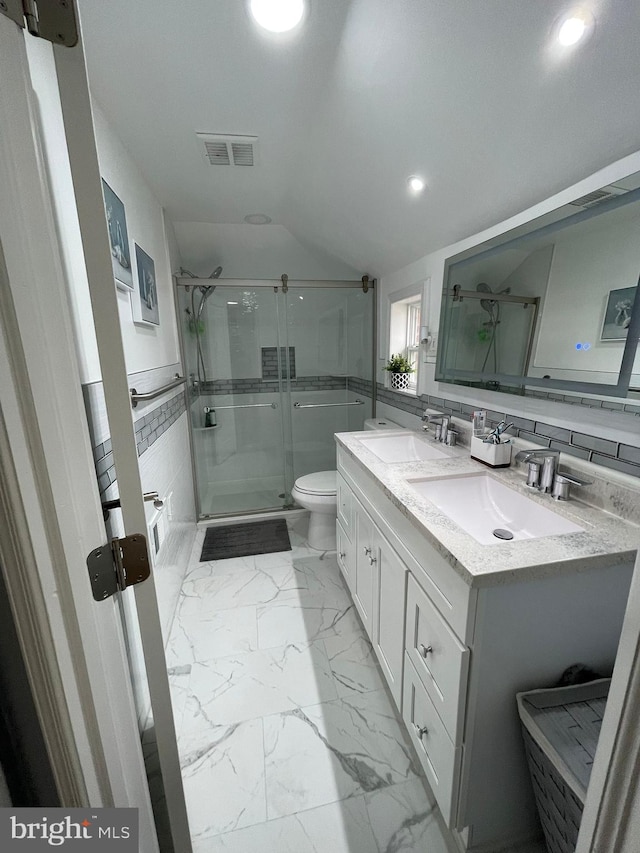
288	739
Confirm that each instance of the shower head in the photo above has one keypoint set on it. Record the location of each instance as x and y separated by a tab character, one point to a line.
486	304
216	273
206	290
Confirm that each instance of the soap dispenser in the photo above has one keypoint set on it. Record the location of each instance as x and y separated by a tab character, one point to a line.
210	417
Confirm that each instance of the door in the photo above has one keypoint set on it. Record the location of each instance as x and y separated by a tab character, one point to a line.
49	484
365	568
37	323
327	330
237	368
139	605
388	629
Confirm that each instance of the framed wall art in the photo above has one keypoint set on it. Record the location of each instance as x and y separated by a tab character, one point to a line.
118	238
144	303
617	314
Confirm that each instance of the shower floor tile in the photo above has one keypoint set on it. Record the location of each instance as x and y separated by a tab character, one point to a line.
288	739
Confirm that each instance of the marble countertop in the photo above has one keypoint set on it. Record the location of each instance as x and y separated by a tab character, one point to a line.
606	539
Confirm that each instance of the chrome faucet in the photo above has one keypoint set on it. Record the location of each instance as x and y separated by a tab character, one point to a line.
547	460
428	417
544	474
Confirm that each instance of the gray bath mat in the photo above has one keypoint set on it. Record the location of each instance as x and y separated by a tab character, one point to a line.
243	540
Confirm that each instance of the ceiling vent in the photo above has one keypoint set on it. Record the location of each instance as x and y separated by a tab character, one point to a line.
227	150
598	196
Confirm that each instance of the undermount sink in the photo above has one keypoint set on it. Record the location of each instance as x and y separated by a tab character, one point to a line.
480	505
401	447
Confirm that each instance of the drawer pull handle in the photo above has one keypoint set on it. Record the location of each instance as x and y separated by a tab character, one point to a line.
367	551
421	731
372	560
342	555
425	650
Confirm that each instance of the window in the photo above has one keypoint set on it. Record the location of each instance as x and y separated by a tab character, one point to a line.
404	332
413	337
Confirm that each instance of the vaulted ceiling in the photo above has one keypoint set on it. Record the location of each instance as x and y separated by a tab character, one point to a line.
476	97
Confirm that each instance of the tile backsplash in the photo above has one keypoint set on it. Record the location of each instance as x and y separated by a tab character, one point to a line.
151	420
579	443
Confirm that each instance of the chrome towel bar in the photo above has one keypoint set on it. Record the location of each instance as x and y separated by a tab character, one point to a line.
151	395
326	405
244	406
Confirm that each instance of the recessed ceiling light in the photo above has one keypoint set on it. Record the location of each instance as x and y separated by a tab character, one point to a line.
257	219
277	16
416	184
574	27
232	303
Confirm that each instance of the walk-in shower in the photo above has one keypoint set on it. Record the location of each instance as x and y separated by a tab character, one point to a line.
274	371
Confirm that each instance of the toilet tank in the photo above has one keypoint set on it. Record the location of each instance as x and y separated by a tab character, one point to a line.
380	423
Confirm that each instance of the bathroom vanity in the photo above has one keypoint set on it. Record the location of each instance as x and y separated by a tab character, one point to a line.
460	627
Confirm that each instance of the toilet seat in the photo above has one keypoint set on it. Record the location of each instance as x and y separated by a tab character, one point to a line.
319	483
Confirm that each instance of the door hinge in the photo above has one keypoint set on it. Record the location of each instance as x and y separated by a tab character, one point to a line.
52	20
118	565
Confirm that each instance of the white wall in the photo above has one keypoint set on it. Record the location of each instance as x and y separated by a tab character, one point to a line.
432	266
45	84
255	251
145	347
585	267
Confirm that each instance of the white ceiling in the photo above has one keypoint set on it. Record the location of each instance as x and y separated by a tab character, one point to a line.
473	95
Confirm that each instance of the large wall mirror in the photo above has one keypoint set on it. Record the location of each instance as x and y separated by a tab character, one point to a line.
549	305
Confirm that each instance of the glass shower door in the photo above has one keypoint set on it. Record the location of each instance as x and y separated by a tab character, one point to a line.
327	332
235	367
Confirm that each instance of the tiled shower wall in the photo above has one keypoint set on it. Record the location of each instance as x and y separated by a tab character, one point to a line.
269	386
579	443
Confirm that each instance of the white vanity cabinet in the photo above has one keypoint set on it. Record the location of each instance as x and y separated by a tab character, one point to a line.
376	578
455	654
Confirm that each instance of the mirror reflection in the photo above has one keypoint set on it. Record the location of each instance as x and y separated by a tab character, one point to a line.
549	305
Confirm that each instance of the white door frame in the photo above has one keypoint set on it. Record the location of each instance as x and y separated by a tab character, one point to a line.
46	434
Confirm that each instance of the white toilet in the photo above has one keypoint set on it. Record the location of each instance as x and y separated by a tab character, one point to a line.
317	493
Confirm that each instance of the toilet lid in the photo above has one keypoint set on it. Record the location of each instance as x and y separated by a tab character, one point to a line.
320	483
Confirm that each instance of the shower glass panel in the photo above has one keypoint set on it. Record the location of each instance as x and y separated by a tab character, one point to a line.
272	376
488	339
330	332
236	413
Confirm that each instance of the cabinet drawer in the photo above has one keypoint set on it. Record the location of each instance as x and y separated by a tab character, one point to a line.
344	498
438	756
439	658
345	555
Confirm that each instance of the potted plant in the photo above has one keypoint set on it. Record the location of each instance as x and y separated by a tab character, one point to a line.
399	368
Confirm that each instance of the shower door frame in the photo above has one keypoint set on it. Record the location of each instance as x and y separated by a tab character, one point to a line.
279	286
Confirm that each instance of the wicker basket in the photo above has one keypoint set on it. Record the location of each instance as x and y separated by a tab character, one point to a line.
561	728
